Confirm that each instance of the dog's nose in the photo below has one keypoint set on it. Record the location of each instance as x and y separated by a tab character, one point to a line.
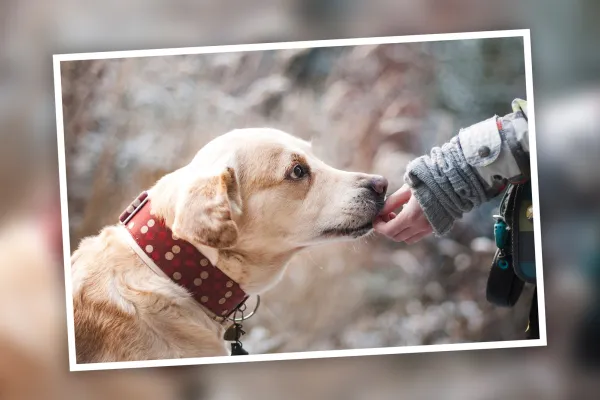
379	184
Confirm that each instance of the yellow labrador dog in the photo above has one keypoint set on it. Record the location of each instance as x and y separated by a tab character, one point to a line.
164	283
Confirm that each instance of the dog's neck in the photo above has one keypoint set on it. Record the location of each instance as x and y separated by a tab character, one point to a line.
254	274
254	271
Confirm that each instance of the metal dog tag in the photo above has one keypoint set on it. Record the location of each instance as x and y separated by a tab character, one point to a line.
233	333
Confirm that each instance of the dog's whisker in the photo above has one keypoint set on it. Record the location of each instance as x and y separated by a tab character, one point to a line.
310	257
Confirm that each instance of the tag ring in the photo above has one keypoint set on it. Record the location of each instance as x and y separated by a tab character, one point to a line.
243	318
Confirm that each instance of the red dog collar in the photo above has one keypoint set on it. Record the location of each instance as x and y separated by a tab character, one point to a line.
181	261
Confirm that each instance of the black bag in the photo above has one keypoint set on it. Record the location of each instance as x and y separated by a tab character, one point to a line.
514	262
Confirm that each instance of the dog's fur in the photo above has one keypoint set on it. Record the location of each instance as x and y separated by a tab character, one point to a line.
242	205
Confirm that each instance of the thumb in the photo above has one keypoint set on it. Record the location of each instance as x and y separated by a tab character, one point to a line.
400	197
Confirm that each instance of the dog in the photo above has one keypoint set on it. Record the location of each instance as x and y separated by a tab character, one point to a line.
247	202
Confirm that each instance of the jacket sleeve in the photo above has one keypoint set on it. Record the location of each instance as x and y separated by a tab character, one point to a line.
472	168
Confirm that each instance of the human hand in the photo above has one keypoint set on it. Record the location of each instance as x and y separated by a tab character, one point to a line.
410	225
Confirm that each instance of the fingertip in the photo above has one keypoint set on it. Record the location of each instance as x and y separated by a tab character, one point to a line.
397	199
378	224
387	217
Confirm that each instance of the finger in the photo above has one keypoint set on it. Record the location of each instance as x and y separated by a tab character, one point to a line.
404	219
380	226
405	234
418	237
400	197
395	226
388	217
389	229
401	221
378	219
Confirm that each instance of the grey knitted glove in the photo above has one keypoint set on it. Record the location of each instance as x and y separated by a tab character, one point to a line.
472	168
445	185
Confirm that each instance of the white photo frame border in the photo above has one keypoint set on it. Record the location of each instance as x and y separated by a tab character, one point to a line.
523	33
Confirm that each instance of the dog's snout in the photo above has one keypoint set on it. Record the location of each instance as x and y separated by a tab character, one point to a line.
378	184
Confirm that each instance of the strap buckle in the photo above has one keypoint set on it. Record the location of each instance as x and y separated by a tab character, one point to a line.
133	208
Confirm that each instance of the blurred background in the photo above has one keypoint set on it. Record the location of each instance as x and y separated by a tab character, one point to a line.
33	361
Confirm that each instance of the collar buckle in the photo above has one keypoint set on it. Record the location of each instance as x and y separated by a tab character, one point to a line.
133	208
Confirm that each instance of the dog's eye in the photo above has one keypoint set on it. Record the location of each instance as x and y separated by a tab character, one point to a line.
298	172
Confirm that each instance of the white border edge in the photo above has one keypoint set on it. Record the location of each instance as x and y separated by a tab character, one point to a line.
311	355
290	45
58	58
537	230
64	210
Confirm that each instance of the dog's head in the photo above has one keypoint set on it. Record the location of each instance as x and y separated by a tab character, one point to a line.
265	189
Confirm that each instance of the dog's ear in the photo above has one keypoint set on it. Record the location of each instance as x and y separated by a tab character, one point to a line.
206	209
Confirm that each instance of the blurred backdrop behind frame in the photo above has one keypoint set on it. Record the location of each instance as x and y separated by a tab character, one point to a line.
567	88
